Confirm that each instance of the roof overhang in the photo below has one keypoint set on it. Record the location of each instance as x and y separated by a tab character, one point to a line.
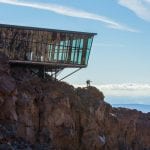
46	29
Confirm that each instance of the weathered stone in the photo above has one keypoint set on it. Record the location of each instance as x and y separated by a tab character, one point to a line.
6	147
1	101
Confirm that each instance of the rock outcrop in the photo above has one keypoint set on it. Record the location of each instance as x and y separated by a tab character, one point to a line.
41	114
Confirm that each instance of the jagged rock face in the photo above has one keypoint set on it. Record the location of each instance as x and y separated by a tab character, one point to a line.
40	114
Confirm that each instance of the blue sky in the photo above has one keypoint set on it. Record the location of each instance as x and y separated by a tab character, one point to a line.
121	50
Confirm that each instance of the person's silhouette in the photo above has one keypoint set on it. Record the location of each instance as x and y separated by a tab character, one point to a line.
88	83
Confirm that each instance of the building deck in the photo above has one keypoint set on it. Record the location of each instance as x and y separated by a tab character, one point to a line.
46	64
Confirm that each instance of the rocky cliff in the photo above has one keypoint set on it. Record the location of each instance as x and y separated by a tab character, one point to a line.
41	114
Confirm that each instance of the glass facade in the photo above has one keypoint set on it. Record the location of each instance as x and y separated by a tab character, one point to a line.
46	46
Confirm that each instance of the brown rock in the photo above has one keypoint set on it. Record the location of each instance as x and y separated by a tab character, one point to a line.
4	66
1	100
7	85
55	115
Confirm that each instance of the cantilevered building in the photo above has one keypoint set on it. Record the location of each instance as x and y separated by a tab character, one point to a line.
46	50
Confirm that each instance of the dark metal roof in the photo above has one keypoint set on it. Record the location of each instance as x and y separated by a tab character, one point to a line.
45	29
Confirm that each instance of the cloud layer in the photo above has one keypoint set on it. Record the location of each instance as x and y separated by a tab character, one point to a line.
126	89
125	86
140	7
72	12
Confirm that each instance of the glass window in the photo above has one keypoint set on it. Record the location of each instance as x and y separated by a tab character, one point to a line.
56	52
89	43
79	56
73	43
61	43
81	43
87	56
78	43
72	54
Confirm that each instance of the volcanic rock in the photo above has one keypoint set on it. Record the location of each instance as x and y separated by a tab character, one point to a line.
43	114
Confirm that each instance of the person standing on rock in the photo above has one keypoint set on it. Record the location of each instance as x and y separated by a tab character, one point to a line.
88	82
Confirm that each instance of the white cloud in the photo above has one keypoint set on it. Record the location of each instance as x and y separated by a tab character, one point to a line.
140	7
126	89
125	86
67	11
148	1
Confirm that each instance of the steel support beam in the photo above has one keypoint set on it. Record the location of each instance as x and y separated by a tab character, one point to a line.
70	74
